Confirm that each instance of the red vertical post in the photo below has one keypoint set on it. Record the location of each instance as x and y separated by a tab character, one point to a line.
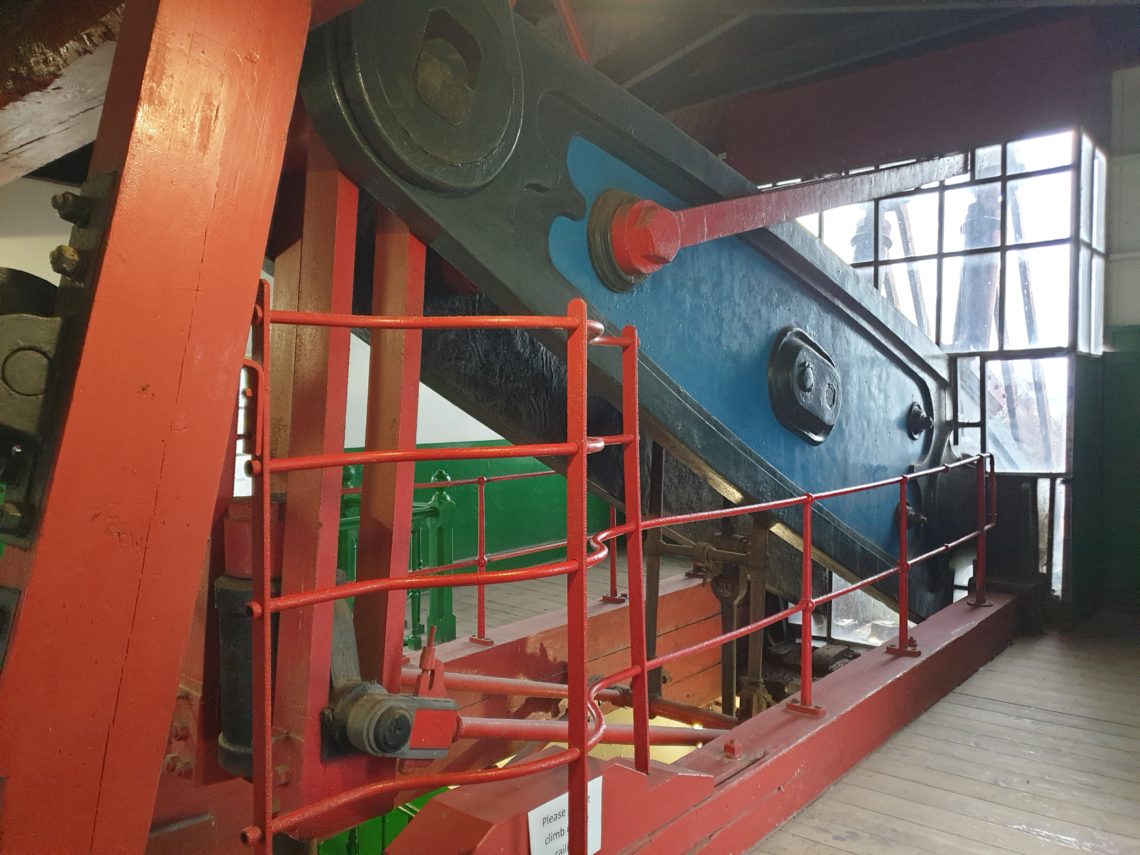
194	127
992	515
631	459
386	490
314	424
905	646
260	834
807	606
980	598
573	32
577	341
480	636
613	596
808	609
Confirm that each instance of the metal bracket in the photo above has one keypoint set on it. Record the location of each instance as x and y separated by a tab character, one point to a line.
41	335
804	386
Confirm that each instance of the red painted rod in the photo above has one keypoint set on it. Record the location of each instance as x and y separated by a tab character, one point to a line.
689	714
721	513
481	557
373	586
904	568
361	458
461	482
619	696
294	818
717	641
550	730
510	686
806	607
742	510
488	479
573	33
862	583
645	236
424	322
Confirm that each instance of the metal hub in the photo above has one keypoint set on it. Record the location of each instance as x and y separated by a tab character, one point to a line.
598	232
435	93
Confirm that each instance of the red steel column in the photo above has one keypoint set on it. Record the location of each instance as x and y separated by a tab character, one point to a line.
576	647
386	490
195	121
906	645
639	686
480	636
319	380
980	598
804	703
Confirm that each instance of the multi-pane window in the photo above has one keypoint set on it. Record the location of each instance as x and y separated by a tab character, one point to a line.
1004	268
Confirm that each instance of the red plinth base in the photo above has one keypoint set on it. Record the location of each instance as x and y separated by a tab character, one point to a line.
707	801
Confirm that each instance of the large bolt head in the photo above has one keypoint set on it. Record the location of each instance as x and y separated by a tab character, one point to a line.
66	261
72	207
805	377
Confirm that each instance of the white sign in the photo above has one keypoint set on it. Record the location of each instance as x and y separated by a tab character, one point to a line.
549	824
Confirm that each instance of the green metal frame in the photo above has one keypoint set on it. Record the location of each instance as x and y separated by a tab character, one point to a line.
433	544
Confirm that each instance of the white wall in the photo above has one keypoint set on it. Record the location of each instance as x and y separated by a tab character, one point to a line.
29	227
437	420
1122	283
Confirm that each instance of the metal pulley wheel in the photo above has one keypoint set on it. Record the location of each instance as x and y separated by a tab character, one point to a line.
435	91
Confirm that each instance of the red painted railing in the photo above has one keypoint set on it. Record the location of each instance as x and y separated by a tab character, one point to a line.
585	726
482	558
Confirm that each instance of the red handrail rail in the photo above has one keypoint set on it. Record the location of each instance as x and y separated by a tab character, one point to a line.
585	727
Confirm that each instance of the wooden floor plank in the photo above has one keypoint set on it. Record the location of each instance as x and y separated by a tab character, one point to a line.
973	804
1037	752
1038	714
782	842
1073	735
895	806
1114	690
1001	790
847	839
984	743
995	689
912	835
1040	779
1127	761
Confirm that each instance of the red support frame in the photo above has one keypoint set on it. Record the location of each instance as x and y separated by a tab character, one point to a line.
319	380
393	402
195	121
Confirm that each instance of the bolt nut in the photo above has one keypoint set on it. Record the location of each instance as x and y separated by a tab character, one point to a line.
179	732
72	207
66	261
171	763
805	378
186	769
733	750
